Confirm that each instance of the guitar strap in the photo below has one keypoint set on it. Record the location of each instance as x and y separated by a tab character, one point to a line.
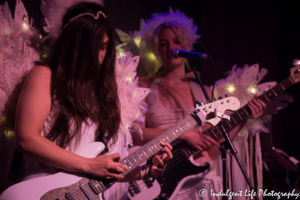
197	92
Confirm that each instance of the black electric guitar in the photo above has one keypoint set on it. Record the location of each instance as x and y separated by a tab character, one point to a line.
183	167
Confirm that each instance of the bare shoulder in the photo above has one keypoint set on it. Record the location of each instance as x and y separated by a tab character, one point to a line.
39	77
37	86
34	102
39	71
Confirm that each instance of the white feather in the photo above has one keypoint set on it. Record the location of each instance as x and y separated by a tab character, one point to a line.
243	80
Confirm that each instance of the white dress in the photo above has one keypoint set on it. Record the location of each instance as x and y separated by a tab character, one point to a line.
32	168
161	117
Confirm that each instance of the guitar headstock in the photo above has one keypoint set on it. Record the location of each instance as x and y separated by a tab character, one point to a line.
295	71
214	111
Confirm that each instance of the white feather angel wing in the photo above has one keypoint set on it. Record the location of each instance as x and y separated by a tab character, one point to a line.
130	95
243	84
16	59
16	55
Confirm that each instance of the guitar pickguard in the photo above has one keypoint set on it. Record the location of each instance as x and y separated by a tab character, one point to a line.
175	176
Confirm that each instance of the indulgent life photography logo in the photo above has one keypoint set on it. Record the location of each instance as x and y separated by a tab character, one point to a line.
250	193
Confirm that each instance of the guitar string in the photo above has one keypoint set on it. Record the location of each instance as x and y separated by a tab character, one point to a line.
226	125
180	150
285	83
76	192
185	127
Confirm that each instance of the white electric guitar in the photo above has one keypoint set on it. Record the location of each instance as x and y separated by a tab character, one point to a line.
73	186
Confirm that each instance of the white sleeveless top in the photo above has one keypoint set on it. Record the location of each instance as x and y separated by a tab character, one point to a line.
31	168
162	117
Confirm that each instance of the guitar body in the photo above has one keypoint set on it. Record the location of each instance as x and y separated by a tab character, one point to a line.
173	178
36	188
172	181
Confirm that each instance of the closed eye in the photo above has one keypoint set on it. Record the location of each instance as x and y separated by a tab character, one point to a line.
104	46
162	44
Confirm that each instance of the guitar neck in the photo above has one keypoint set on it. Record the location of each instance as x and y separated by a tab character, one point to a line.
141	155
241	114
145	152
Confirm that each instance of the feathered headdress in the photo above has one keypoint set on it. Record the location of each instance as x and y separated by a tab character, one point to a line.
149	29
55	10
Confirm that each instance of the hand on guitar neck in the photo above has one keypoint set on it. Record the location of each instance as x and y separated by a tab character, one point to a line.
257	108
203	142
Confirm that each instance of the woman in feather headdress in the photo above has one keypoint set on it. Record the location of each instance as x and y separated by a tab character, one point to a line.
173	95
72	101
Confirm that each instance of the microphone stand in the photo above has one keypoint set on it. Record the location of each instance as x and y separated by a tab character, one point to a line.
224	146
197	75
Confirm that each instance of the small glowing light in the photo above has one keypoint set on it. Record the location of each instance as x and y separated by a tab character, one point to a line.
128	79
231	88
151	56
44	55
121	54
41	36
9	134
253	90
25	26
2	120
137	41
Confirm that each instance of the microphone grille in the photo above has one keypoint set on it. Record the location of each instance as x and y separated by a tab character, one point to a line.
175	52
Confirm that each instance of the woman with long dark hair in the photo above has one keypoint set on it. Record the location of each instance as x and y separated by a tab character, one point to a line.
72	101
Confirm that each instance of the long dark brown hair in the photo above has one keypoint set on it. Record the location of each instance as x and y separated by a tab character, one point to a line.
84	88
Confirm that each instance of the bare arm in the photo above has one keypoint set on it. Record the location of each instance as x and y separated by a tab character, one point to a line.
33	108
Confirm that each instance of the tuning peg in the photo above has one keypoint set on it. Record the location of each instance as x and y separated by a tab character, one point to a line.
202	104
226	95
220	97
215	99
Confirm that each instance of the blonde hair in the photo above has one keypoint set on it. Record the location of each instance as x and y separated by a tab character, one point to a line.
182	26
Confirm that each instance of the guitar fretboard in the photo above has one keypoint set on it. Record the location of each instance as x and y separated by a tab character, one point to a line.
145	152
241	114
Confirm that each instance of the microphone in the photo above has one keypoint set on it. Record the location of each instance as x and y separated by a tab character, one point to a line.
176	53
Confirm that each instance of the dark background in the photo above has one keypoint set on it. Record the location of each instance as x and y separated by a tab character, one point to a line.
232	32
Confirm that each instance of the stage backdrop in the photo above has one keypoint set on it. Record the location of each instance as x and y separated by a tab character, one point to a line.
232	32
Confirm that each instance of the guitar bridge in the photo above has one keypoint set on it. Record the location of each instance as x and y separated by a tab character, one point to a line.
133	188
